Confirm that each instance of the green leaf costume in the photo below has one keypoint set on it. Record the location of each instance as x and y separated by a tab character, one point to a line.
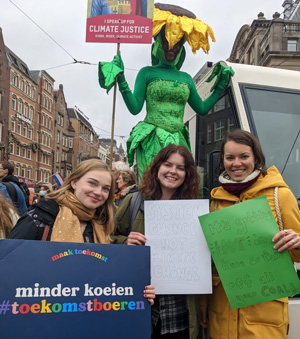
166	91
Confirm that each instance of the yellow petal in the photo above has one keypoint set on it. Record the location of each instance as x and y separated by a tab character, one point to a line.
186	24
173	30
157	26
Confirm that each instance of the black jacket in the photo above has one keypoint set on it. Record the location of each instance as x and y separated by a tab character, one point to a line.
32	225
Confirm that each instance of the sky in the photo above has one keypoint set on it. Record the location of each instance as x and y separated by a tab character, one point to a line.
65	22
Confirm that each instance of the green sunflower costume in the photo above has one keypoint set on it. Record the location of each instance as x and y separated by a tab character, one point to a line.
163	86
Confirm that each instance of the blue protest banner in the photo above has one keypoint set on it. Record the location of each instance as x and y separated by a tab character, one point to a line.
71	290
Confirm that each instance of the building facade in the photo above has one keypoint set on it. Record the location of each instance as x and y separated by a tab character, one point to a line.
85	141
271	43
64	133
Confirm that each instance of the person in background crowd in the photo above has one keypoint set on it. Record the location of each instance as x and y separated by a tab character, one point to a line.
13	189
172	175
8	217
243	176
126	184
81	210
117	167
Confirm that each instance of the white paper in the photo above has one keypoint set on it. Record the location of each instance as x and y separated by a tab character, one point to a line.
180	258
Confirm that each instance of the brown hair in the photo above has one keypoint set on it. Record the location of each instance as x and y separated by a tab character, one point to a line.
188	190
129	177
246	138
105	212
6	216
8	165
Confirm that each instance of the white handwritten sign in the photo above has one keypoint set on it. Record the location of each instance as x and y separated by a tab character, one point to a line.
180	258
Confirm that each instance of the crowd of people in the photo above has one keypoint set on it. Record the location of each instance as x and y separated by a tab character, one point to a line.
93	205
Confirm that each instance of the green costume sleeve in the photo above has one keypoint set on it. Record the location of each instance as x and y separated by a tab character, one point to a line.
198	105
134	101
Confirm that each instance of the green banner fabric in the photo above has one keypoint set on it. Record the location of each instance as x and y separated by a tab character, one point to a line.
239	238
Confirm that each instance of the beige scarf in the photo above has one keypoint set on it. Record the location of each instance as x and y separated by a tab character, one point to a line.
66	227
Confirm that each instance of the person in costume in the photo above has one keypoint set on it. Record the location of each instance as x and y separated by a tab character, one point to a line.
163	86
172	175
81	210
243	176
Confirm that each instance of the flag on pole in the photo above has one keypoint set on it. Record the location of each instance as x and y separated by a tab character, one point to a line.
58	179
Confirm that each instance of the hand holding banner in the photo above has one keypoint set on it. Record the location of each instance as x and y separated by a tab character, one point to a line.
240	241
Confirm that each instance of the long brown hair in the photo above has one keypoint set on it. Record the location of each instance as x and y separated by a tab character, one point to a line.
151	188
6	217
105	213
246	138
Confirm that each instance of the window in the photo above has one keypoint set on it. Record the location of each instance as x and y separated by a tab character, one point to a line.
230	124
29	154
18	150
14	103
30	133
13	125
70	142
292	45
19	128
57	155
219	129
31	113
24	152
29	173
17	170
23	172
26	110
21	84
58	137
12	148
15	80
209	133
20	106
220	105
25	131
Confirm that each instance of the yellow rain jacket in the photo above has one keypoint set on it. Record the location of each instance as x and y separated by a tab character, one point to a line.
267	320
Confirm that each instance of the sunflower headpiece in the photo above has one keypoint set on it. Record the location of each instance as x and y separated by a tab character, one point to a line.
179	22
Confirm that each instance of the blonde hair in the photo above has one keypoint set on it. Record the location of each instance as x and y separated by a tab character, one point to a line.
105	213
6	217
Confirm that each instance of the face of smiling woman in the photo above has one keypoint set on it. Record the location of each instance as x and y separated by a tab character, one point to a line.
92	189
239	161
171	174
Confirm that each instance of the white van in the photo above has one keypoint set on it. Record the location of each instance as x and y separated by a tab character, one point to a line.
261	100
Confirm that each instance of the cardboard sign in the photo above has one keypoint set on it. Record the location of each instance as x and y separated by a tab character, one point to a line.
117	21
240	241
71	290
180	258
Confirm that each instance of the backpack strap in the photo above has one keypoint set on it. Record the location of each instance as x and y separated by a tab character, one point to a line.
45	233
278	209
134	207
11	190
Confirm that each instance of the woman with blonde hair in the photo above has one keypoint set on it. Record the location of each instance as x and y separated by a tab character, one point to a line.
8	217
81	210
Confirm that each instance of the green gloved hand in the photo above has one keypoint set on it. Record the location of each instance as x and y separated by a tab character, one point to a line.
108	71
223	75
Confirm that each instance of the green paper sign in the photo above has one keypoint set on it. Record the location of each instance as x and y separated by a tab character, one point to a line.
239	238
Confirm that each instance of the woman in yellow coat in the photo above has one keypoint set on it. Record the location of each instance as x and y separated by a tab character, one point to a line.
243	176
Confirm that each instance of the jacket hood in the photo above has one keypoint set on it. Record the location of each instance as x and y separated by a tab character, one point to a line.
271	180
11	178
